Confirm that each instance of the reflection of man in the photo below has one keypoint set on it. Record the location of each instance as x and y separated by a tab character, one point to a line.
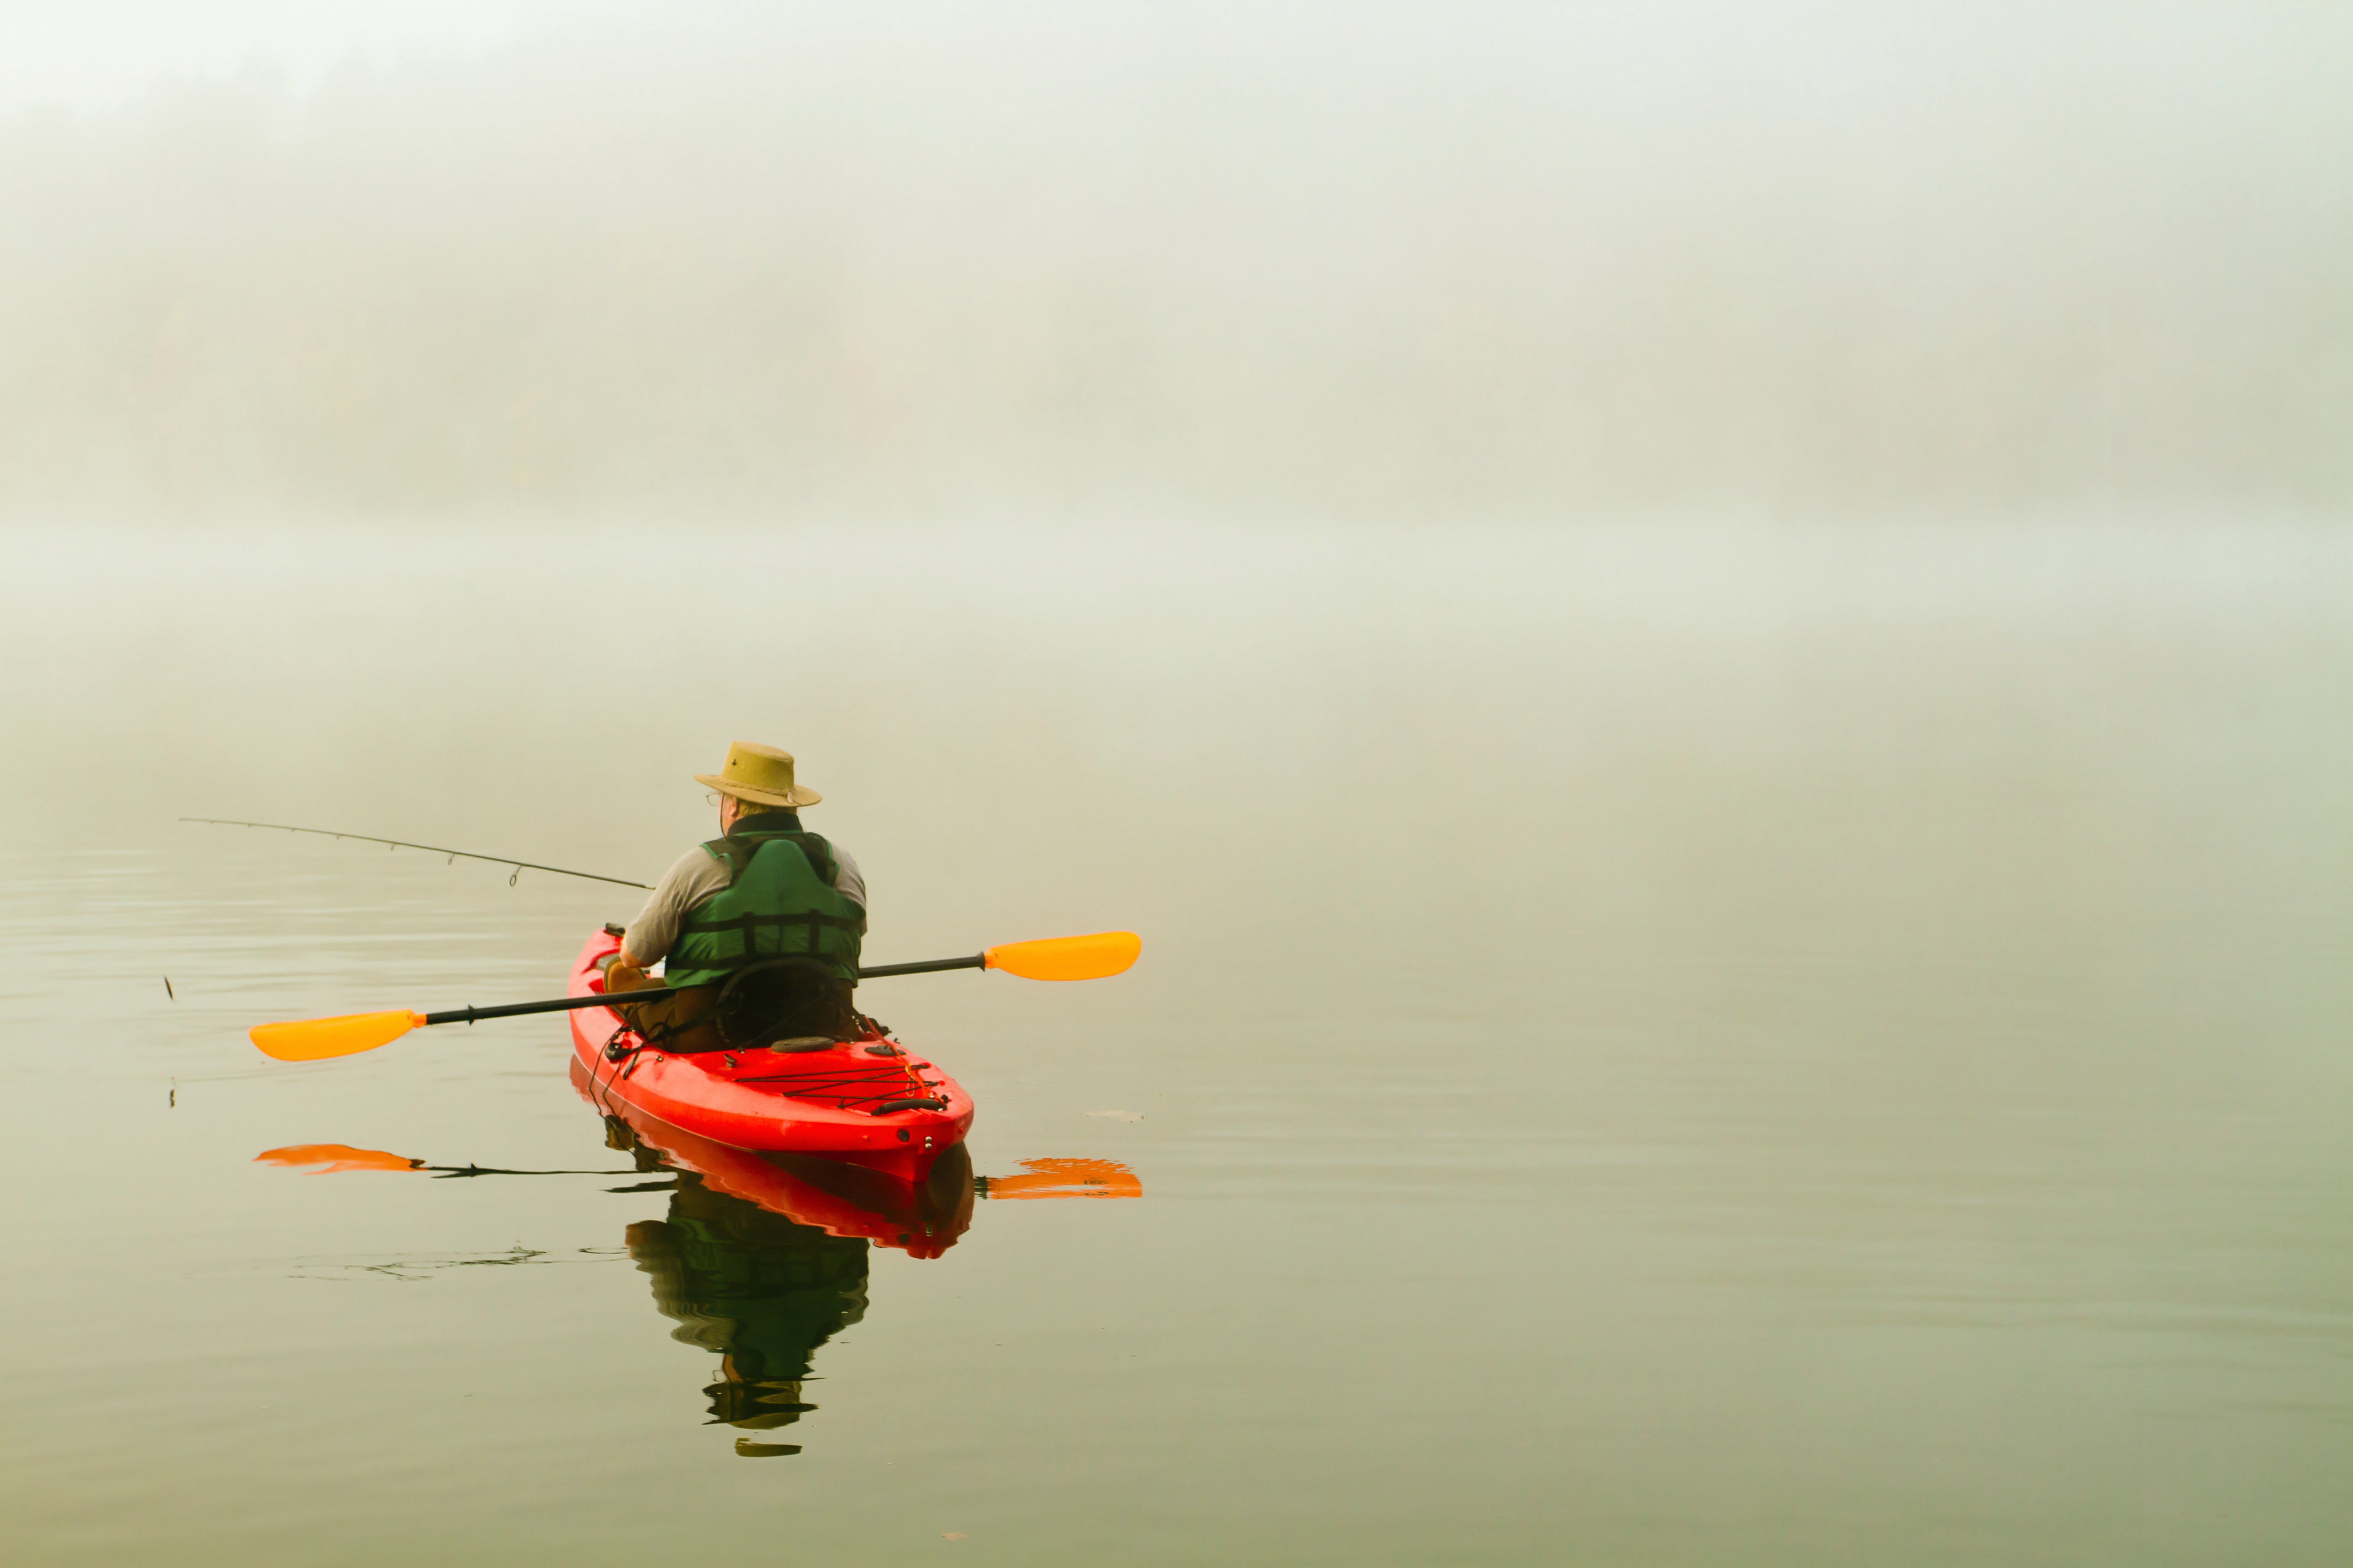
761	1290
764	890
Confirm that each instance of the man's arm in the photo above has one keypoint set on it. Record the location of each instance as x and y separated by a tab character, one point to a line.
693	878
846	881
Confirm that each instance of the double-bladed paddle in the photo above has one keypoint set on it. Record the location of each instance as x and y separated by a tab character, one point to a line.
1089	957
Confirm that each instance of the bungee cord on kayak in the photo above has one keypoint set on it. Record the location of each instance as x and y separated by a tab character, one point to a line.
898	1084
455	855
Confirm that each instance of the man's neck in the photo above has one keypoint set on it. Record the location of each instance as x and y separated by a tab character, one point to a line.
770	819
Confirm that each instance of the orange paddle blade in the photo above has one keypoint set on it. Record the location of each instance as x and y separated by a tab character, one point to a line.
1068	957
313	1039
1068	1179
334	1157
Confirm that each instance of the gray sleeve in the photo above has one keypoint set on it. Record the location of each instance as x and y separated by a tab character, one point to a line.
846	881
695	878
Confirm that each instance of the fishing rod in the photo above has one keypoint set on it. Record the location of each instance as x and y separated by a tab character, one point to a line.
455	855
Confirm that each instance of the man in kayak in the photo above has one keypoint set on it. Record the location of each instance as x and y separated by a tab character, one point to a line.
760	927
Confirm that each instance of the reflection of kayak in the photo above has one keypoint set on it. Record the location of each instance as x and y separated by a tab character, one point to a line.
922	1217
763	1258
760	1292
865	1100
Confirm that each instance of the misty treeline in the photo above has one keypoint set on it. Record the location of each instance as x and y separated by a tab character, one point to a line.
1437	261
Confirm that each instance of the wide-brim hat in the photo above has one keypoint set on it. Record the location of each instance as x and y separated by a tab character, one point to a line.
761	774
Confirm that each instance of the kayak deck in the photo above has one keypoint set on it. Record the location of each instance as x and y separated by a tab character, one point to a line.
867	1099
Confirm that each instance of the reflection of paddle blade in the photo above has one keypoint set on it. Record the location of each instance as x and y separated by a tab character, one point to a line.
1105	952
334	1157
1068	1179
315	1039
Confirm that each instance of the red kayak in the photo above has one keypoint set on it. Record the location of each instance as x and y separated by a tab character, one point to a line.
867	1099
922	1217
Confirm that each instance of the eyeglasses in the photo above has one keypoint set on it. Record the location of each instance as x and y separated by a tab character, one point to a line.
714	798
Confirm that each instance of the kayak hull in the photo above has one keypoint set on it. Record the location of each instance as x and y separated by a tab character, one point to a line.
921	1216
802	1103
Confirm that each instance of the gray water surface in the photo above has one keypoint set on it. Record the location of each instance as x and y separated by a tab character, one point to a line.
1695	1046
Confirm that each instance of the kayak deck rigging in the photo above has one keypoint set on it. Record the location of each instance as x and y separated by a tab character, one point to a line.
896	1080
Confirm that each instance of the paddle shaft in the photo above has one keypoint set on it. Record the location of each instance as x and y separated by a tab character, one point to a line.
929	966
561	1005
657	994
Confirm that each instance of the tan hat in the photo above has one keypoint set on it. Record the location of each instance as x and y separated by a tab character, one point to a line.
761	774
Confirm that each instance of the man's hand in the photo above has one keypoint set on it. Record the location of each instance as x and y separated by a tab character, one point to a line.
624	973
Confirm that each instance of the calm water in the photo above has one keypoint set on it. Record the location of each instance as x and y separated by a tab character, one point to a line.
1692	1047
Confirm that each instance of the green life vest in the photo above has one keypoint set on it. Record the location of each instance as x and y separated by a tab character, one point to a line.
780	903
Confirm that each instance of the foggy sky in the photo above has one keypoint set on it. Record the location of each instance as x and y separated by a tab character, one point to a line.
1436	262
